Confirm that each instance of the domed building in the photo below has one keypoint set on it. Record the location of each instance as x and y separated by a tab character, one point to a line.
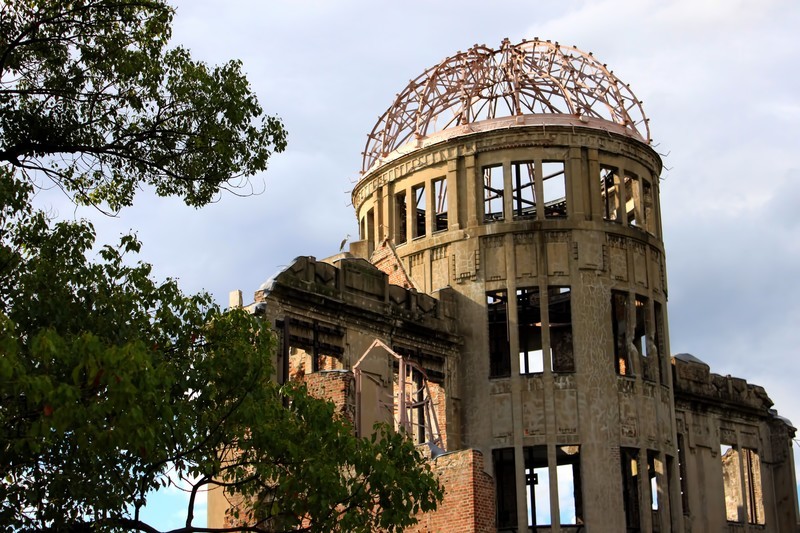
508	294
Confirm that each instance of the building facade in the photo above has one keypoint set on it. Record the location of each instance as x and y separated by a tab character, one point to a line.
509	295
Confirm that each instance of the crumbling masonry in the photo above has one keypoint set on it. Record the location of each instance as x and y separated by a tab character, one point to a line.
507	305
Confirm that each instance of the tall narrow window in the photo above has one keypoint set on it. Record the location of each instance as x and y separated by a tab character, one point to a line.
493	193
640	330
752	484
524	192
529	324
401	220
499	348
630	488
732	488
505	478
633	202
682	473
664	365
619	331
419	209
560	326
537	485
654	471
554	189
440	197
568	472
647	207
371	228
610	191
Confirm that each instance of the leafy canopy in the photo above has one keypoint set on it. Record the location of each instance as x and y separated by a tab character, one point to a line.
92	99
112	383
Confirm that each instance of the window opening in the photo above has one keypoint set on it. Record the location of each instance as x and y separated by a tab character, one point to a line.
570	496
734	507
647	207
658	333
529	324
493	193
400	215
619	329
537	485
654	468
554	189
630	488
610	192
752	483
371	228
682	473
505	478
559	308
639	338
363	228
633	203
419	210
440	196
499	348
524	192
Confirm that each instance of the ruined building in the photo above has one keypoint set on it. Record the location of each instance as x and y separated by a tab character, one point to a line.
507	305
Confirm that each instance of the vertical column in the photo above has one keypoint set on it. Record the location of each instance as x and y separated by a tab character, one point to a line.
453	214
575	188
430	208
474	181
411	213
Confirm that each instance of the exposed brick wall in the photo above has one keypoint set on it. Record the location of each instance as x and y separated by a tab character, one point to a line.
468	504
385	259
335	386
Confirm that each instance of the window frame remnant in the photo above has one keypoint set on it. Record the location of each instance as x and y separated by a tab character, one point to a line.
439	187
401	217
641	334
554	188
505	479
629	462
742	484
529	330
498	328
493	175
619	333
610	192
565	476
523	194
420	210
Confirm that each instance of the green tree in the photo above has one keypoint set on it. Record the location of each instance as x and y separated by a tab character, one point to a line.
111	382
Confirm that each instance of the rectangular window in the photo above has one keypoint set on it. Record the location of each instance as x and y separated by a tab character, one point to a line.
647	207
619	332
419	210
682	473
524	192
568	472
654	469
537	485
633	202
440	197
554	189
493	184
499	348
529	324
401	220
752	484
559	306
732	488
630	488
371	229
640	330
664	365
505	479
610	191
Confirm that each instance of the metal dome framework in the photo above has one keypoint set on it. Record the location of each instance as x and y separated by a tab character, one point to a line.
532	77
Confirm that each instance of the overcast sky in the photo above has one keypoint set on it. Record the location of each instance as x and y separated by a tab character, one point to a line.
720	81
